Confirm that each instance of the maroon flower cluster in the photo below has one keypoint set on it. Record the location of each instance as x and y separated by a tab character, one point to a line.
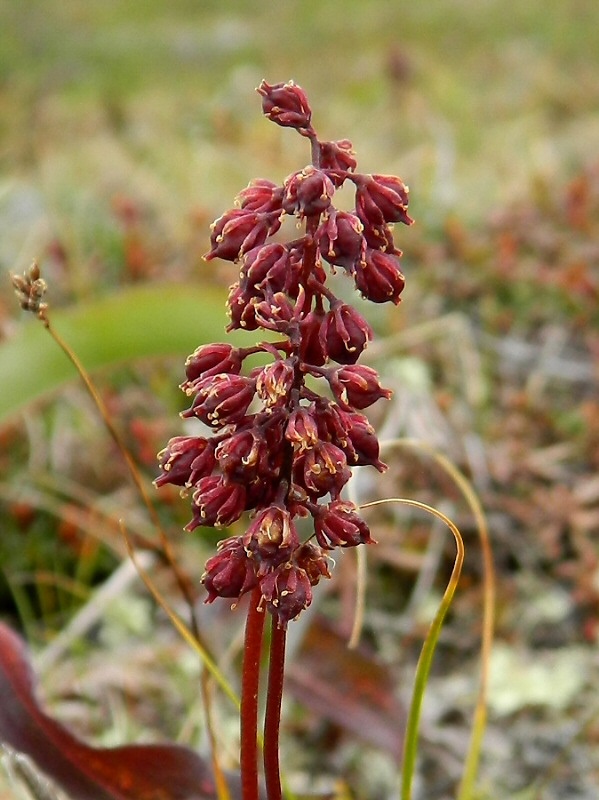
278	448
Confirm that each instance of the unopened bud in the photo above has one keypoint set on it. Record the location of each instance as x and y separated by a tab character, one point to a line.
222	399
183	458
381	199
356	386
274	382
337	158
211	359
308	192
286	104
379	278
229	573
339	525
345	334
217	502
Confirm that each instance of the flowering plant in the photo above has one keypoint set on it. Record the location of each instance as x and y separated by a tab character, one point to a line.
277	447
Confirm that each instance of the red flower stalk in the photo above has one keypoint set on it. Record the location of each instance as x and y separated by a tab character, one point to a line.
279	449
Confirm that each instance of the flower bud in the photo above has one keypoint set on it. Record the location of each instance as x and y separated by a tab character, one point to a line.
261	195
241	305
268	264
178	458
340	526
211	359
313	561
307	192
217	502
222	399
243	456
287	591
341	239
312	350
363	440
380	199
286	104
274	382
238	231
302	430
322	470
275	313
345	334
356	386
229	573
380	237
271	537
379	278
337	158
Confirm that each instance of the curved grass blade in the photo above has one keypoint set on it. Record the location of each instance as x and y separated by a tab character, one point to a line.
430	643
466	788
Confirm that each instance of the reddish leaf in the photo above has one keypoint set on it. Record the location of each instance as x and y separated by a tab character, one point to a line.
135	772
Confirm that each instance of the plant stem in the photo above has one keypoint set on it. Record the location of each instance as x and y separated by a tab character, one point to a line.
249	698
273	712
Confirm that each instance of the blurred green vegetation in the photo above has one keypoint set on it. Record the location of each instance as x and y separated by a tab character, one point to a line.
465	99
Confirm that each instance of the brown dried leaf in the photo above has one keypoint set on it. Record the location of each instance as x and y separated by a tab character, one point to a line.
348	687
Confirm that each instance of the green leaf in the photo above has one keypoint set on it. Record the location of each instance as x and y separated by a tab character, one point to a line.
142	322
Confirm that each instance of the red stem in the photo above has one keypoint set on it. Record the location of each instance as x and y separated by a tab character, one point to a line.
249	698
272	718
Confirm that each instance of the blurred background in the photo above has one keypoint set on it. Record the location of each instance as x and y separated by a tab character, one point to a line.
125	129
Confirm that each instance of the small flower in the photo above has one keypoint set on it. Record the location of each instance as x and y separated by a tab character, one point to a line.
211	359
308	192
356	387
380	237
261	195
183	458
274	382
381	198
345	334
313	561
229	573
331	426
238	231
241	305
379	278
267	264
363	440
217	502
271	538
341	239
322	469
243	456
222	399
286	104
339	525
302	430
287	591
275	312
337	158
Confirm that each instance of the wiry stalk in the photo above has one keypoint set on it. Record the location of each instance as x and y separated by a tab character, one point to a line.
272	719
250	683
